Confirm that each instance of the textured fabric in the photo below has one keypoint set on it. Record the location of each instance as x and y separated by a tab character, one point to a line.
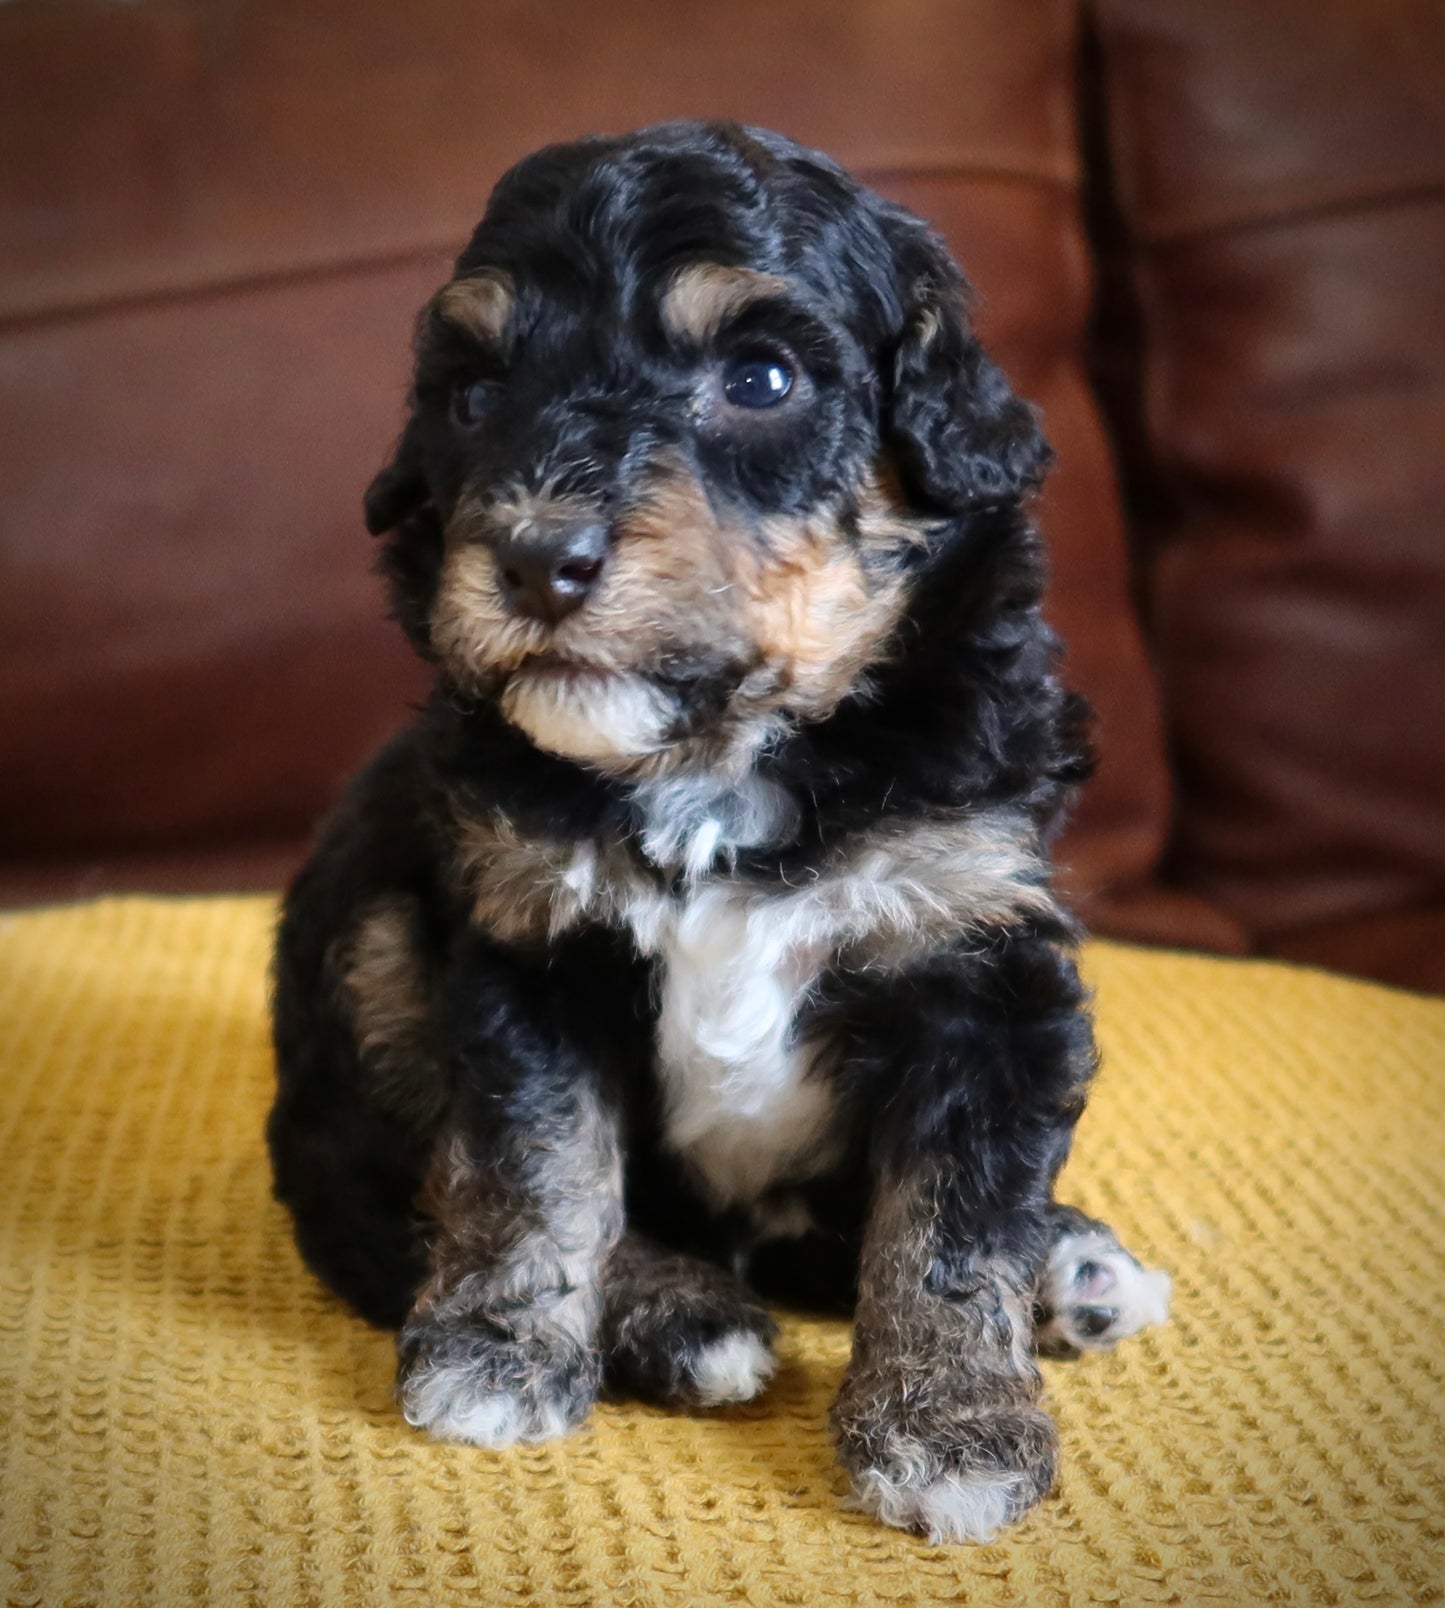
189	1419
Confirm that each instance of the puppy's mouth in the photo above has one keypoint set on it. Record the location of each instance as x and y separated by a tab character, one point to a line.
551	662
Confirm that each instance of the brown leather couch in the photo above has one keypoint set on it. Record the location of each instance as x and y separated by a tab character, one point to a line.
1210	241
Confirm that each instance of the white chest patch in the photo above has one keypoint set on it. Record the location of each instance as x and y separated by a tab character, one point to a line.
744	1101
748	1100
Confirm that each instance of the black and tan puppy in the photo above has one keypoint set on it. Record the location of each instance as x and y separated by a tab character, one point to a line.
698	938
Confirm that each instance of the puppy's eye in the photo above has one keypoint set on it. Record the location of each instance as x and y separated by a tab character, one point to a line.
471	399
756	380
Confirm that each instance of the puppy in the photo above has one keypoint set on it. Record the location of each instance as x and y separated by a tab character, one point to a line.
697	939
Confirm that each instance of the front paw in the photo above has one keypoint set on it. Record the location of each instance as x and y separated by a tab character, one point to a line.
490	1385
953	1469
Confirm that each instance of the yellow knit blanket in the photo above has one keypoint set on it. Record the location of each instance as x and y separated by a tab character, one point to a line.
185	1417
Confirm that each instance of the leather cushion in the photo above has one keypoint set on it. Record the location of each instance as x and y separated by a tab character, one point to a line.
1278	175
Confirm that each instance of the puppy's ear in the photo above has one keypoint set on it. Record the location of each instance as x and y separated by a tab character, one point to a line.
400	489
962	438
399	506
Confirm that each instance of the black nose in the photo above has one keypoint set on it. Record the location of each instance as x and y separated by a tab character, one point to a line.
546	572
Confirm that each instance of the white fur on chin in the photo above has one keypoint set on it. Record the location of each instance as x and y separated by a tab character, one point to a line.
588	715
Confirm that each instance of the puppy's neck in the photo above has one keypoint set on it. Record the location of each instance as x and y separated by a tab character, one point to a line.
691	822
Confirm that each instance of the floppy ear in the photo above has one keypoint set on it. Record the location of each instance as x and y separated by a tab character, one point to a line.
963	439
399	489
399	506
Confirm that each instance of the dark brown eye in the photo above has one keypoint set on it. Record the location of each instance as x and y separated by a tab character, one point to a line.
756	380
471	399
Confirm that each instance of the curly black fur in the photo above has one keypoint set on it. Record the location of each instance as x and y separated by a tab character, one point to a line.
478	1120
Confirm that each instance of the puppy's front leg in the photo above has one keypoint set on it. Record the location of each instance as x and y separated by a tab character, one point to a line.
938	1419
525	1197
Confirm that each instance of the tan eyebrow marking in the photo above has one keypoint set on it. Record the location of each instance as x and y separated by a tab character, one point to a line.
480	305
702	297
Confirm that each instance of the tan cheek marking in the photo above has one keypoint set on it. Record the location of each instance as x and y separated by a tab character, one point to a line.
814	606
471	629
822	606
887	526
812	611
480	305
704	296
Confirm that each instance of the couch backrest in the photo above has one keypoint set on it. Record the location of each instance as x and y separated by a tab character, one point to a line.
1279	172
217	222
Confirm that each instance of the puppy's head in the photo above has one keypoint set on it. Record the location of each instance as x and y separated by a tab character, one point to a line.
686	424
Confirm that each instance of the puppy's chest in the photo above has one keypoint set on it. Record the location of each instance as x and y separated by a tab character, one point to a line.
745	1101
746	1097
745	1071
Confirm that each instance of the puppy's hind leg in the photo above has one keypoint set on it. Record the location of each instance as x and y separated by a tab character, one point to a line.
357	1091
1091	1292
681	1330
343	1176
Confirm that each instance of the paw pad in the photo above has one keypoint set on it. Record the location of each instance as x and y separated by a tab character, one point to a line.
1094	1294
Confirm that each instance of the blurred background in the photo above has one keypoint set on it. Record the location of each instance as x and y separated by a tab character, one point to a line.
1209	240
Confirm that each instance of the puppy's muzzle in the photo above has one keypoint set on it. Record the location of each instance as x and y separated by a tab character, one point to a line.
547	570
